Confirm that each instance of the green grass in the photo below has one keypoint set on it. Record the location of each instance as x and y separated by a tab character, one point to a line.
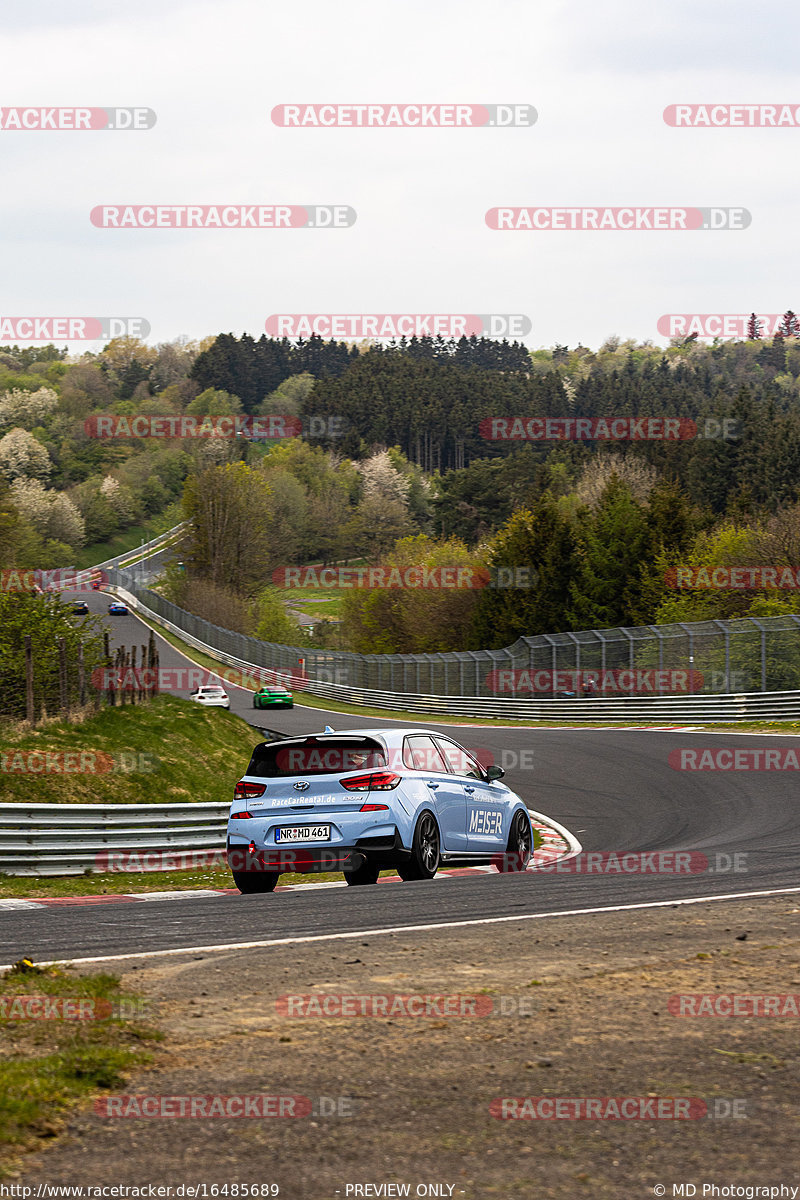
303	600
124	543
47	1067
21	887
298	597
174	751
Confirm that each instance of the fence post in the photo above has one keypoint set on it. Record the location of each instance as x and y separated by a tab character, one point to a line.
29	712
690	636
630	659
152	663
62	674
727	636
763	633
81	676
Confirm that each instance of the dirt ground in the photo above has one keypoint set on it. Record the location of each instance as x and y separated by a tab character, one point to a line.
584	1012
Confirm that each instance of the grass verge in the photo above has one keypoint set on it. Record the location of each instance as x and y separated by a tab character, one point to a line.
47	1067
320	603
167	751
106	883
127	541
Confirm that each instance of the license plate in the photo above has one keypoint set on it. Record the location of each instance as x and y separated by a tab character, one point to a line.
303	833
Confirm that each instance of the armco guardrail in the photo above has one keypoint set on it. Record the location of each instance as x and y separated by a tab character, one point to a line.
700	658
747	706
142	551
70	839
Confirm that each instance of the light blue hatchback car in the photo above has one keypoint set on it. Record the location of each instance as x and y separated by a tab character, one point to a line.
363	801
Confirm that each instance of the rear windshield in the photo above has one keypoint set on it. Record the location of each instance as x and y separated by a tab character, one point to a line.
316	756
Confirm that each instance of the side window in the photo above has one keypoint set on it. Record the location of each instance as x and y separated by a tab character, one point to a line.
459	761
420	753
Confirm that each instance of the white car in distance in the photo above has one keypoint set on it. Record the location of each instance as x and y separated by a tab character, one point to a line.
211	697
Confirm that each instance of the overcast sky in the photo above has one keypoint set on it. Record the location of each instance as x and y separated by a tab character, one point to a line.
598	74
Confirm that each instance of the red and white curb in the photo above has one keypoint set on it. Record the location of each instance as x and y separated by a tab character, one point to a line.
557	843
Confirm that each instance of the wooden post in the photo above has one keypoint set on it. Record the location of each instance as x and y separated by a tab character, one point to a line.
145	690
29	712
135	685
152	662
62	674
107	668
81	675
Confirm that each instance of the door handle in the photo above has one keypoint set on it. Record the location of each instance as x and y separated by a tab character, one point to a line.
434	786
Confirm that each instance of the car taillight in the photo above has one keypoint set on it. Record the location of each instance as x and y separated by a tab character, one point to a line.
246	791
375	781
374	808
240	816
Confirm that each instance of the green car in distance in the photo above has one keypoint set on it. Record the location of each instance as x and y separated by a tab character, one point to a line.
273	697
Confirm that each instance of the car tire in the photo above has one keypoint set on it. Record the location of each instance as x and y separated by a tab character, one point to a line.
520	844
426	850
251	882
367	873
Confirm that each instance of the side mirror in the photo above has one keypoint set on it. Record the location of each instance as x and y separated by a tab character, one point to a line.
494	772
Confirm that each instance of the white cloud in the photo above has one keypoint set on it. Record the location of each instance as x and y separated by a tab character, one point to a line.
599	75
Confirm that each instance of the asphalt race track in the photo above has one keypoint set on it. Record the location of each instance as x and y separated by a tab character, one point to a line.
614	789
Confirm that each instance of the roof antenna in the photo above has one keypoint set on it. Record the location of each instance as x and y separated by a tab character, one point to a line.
327	729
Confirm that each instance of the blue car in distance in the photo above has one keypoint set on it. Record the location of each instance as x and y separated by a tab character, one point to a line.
118	609
363	801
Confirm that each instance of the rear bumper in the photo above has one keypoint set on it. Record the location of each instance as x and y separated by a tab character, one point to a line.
384	851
